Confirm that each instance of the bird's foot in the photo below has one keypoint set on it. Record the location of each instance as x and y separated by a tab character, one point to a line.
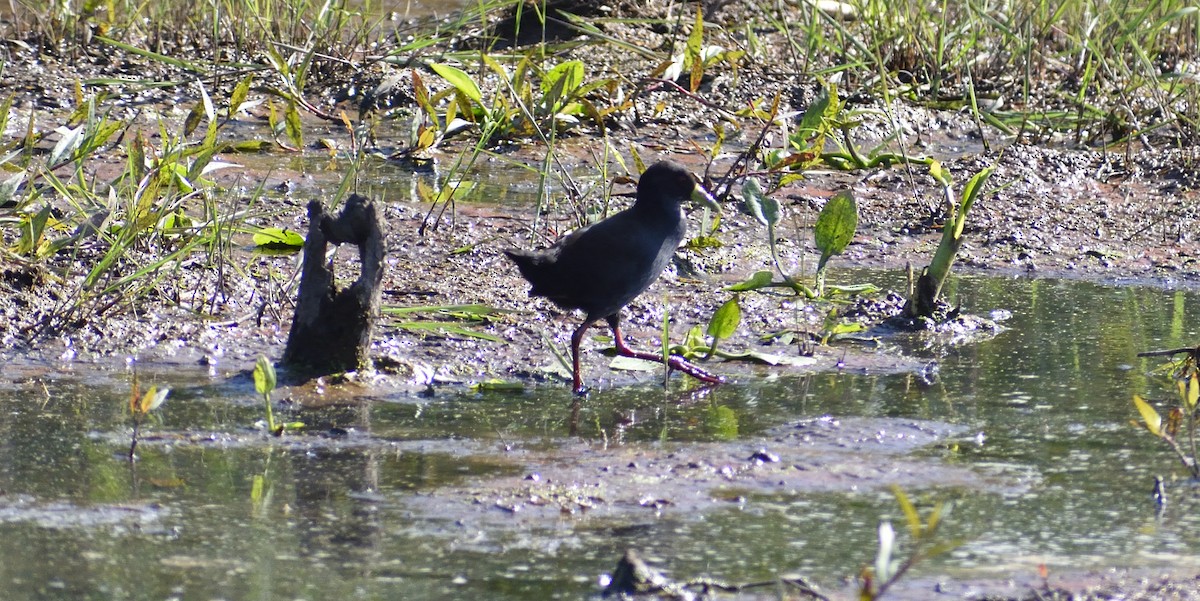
677	363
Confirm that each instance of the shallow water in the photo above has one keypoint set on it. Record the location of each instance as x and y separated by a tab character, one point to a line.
1046	405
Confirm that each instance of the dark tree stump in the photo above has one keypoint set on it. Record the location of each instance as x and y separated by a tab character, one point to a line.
331	329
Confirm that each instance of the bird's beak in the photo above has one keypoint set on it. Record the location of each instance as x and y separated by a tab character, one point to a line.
701	196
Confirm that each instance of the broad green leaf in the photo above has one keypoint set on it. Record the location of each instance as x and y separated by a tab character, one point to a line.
497	385
460	80
291	120
760	279
240	92
246	146
764	208
264	376
940	174
695	43
565	77
1150	418
836	225
970	193
724	323
725	320
276	238
70	139
814	116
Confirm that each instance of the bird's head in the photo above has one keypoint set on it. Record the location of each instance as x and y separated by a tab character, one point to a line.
668	182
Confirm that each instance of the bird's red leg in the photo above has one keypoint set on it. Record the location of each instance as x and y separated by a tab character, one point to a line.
576	339
675	362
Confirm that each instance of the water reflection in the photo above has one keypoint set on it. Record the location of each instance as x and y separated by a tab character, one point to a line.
219	512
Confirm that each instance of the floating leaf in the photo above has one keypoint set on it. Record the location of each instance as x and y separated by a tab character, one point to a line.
621	362
276	238
497	385
760	279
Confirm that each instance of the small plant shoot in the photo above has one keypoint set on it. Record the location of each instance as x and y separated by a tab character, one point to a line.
264	384
835	229
140	406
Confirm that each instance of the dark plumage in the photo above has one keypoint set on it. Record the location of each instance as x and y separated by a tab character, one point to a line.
602	267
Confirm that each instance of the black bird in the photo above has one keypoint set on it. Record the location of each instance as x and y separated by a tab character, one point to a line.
602	267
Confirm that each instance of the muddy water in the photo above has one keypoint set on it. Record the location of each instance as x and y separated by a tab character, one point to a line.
412	497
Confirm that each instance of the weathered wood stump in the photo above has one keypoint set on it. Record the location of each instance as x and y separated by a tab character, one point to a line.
331	329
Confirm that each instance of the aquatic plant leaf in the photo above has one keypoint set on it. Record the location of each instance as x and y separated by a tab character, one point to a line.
497	385
725	320
695	43
276	238
256	489
836	225
1189	390
911	517
940	174
883	559
460	80
153	399
1150	418
970	192
721	422
760	279
264	376
623	363
771	358
240	92
70	139
5	111
421	93
813	123
764	208
8	188
446	328
292	125
563	79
